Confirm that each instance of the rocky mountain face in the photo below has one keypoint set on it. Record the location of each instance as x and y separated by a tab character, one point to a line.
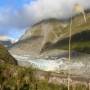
6	43
5	57
50	37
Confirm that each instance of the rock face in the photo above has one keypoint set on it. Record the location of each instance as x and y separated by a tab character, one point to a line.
50	37
40	35
5	57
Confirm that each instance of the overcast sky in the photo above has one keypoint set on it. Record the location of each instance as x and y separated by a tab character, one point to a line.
17	15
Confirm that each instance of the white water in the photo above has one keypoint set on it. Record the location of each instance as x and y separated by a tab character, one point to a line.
47	65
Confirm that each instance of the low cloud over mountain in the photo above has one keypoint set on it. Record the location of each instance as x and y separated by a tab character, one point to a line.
19	19
6	41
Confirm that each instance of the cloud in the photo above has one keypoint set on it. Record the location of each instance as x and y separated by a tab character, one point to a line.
5	38
57	8
60	9
13	19
37	10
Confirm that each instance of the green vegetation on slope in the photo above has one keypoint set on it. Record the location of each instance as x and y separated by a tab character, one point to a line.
80	42
5	56
19	78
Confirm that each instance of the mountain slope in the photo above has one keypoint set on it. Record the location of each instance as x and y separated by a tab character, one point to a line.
79	42
53	35
5	57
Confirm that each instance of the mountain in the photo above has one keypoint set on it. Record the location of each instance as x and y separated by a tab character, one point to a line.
50	37
6	43
4	40
5	57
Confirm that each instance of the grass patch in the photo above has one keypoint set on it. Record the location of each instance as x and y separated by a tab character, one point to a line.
80	42
5	56
20	78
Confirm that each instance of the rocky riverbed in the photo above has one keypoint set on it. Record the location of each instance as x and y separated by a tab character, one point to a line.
76	67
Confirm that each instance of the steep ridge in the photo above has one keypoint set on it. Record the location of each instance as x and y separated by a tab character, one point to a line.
34	37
